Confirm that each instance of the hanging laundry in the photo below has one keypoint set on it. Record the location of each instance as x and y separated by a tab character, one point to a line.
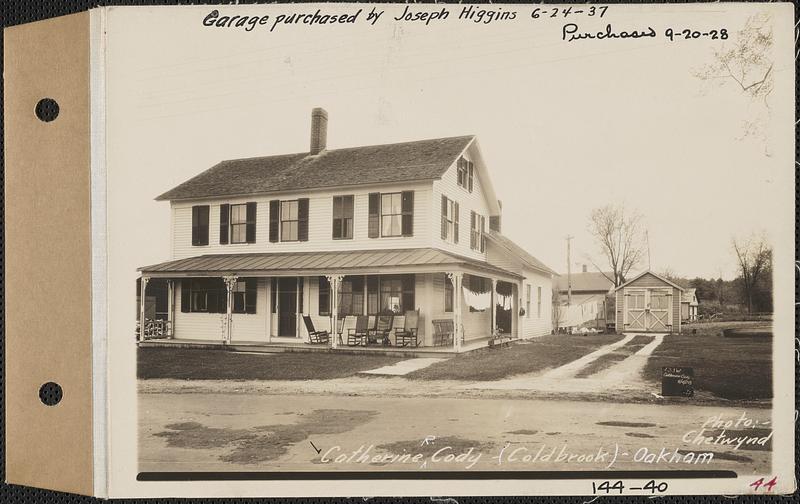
477	301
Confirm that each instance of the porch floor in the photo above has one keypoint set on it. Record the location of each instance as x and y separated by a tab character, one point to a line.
263	347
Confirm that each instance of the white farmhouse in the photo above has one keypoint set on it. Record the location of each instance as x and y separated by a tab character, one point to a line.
404	234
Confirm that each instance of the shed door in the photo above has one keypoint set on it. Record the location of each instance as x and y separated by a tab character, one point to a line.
635	309
658	310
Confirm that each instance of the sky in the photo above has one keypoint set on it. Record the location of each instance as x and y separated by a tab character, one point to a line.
565	127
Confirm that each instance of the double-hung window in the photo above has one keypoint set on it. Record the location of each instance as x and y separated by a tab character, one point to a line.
343	217
289	220
391	214
465	173
239	223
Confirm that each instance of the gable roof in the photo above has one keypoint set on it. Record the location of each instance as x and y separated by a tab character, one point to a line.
648	272
398	162
518	251
591	281
690	297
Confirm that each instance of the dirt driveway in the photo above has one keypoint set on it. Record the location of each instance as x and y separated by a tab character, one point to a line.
252	432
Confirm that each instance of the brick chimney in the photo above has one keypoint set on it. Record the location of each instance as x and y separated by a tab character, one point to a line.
319	130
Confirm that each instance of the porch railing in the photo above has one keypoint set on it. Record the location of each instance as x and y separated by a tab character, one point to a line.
154	329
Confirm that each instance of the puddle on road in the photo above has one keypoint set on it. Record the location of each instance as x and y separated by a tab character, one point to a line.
638	434
263	443
626	424
526	432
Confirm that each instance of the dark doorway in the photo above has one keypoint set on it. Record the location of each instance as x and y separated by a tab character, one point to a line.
504	305
287	306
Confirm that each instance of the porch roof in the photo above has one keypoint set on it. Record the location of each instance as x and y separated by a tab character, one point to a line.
415	260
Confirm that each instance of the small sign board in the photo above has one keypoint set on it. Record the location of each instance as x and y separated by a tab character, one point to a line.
677	381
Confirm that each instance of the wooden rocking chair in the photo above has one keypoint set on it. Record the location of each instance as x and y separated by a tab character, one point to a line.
358	335
408	334
315	337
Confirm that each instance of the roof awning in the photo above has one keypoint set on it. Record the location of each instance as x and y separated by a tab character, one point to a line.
362	262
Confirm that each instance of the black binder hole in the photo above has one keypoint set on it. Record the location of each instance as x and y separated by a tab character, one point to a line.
47	109
50	393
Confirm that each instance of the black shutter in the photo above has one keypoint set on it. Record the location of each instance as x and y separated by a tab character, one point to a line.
407	207
472	241
471	170
483	233
185	295
302	219
224	212
324	298
251	223
444	217
273	289
274	219
251	295
455	222
374	222
195	225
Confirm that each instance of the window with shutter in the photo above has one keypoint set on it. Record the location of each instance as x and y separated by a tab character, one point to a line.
449	219
274	220
473	236
470	169
273	295
374	222
445	228
185	296
251	295
223	223
200	225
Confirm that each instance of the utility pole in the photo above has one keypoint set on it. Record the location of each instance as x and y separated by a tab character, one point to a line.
569	271
647	237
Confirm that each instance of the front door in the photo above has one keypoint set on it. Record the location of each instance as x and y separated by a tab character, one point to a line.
287	306
658	313
636	310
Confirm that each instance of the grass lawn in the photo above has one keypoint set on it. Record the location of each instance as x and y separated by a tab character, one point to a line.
539	354
731	368
191	364
606	361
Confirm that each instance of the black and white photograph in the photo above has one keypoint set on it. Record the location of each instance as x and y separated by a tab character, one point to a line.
467	242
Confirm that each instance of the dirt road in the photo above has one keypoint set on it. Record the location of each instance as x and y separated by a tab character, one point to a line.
257	432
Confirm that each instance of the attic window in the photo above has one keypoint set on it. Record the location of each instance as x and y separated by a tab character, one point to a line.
465	173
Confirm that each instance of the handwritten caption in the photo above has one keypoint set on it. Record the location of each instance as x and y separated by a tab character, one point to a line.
571	16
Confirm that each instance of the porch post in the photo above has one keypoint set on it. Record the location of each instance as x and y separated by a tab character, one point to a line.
492	307
458	329
334	281
142	324
170	308
230	283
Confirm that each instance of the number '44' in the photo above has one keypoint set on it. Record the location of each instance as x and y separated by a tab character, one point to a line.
768	486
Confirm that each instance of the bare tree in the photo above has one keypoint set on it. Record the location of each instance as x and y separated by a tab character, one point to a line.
556	312
745	62
754	256
619	236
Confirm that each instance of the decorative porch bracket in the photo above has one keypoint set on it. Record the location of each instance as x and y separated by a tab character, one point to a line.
455	278
144	280
334	281
230	284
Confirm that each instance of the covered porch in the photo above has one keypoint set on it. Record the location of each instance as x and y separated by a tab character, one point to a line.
413	301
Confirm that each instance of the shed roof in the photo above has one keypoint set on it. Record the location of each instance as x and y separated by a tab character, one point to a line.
648	272
518	251
397	162
317	262
591	281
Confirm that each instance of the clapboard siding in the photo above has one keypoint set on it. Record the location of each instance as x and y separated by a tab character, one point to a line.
319	229
648	280
211	326
467	202
534	323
